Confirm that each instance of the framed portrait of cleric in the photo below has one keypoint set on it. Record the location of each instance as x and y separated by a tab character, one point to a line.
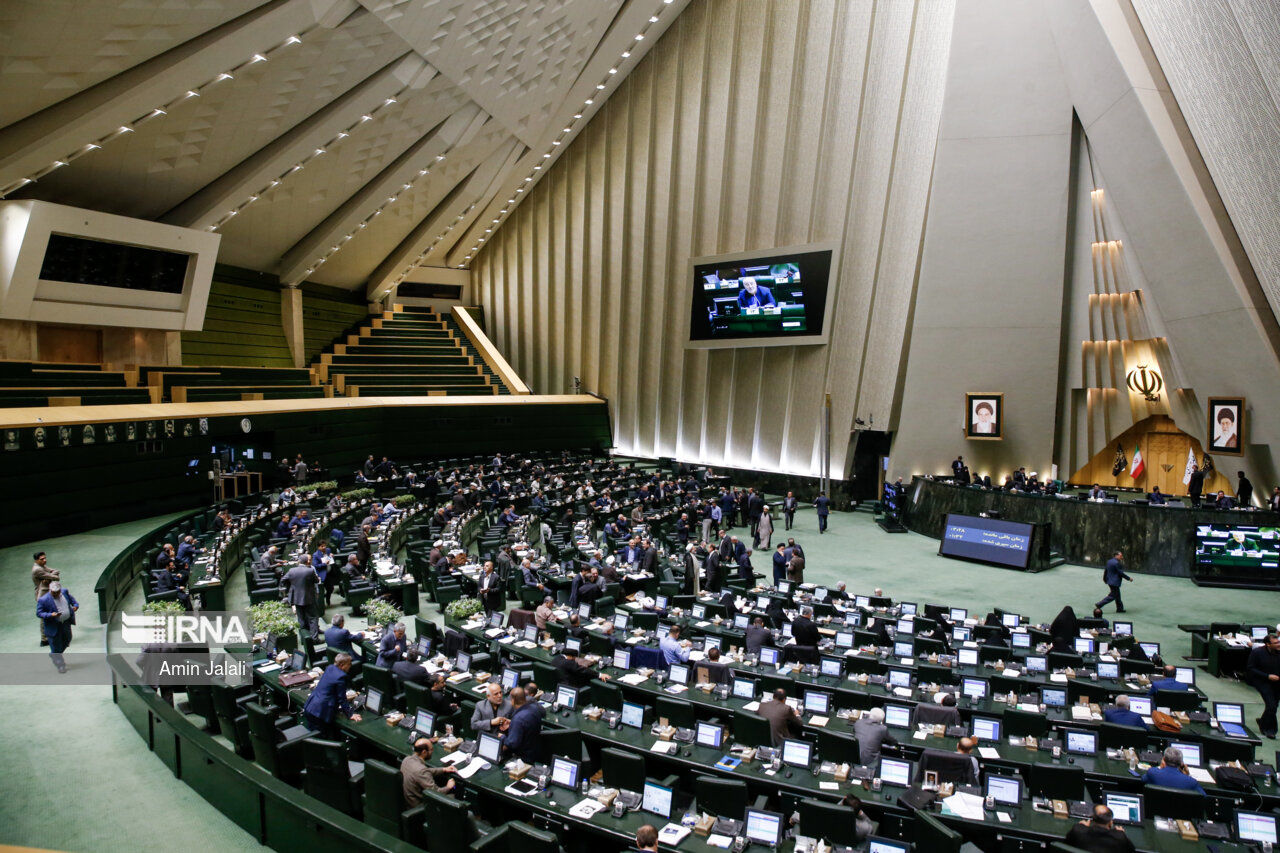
1226	425
983	415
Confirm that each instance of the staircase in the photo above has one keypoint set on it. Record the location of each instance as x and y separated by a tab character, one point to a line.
407	351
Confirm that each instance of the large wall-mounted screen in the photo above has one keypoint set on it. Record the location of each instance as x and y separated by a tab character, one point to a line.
765	299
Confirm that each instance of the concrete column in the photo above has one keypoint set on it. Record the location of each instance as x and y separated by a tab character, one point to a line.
291	321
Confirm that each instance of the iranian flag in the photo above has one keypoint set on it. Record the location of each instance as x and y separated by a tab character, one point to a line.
1138	464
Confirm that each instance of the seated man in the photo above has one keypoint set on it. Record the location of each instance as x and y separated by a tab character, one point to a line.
544	613
1172	773
1099	833
418	777
1169	682
284	529
717	672
338	638
755	295
944	712
409	669
1121	715
168	580
572	672
673	650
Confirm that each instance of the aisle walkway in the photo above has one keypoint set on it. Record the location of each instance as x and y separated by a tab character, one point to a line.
78	776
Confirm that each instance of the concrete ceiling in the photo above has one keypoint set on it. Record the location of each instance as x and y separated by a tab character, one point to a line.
341	142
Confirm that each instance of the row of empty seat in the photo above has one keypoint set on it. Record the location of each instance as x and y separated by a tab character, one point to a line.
408	351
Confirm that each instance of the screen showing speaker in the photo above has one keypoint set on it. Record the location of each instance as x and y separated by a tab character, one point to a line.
773	297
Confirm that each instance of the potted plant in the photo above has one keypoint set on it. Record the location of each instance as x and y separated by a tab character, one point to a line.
462	609
381	613
356	495
404	501
277	619
164	608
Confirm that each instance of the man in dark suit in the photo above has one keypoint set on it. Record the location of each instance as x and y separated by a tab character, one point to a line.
716	672
648	557
571	672
783	721
1121	715
1244	490
302	585
714	579
56	609
1113	575
409	669
329	697
755	295
167	580
393	646
524	732
1195	486
959	470
490	585
746	572
822	504
364	548
804	630
338	638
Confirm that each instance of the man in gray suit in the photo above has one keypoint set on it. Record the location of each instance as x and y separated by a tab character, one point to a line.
872	734
302	584
492	713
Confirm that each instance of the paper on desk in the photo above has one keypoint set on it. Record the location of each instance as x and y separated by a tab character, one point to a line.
702	624
664	747
829	786
1080	712
526	644
988	752
506	639
473	767
751	706
719	840
673	834
818	721
631	641
696	655
1201	775
902	691
1058	678
455	757
586	808
1011	673
632	678
918	735
1004	817
963	805
271	667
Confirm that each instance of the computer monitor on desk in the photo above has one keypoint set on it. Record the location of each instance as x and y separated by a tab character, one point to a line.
763	827
656	799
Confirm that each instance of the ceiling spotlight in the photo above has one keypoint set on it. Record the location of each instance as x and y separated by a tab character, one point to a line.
599	85
257	57
293	40
639	36
626	54
439	157
545	156
342	134
157	112
555	142
422	172
388	102
577	115
319	151
366	117
495	222
223	76
511	201
92	146
613	71
653	19
191	93
589	101
124	128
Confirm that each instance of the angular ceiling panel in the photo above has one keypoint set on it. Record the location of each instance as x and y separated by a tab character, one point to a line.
323	139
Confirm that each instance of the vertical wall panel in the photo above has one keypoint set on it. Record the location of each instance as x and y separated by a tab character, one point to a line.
752	124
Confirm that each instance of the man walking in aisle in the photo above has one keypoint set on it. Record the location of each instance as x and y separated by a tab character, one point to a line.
822	504
1113	575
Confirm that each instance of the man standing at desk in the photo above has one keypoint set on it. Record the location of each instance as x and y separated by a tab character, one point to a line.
393	646
1113	575
1244	490
822	504
1263	668
328	697
960	471
302	582
757	636
755	295
804	630
524	732
490	588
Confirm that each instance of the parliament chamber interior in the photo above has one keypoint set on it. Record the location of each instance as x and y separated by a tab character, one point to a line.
662	425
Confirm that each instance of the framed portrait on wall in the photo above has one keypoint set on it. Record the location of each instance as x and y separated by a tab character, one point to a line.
983	415
1226	425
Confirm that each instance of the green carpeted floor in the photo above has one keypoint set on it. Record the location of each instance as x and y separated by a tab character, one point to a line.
81	779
